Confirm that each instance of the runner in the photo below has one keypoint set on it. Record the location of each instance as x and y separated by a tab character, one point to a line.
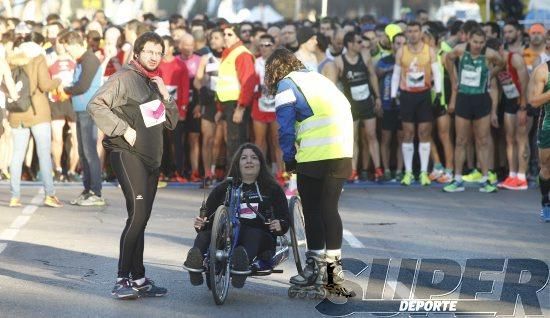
539	96
416	65
473	103
358	77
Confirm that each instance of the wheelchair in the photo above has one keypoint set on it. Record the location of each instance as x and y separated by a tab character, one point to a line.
225	235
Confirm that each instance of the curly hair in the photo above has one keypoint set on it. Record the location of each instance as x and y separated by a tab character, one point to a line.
278	65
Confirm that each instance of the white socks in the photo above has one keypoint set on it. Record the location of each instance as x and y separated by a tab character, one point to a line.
424	151
408	153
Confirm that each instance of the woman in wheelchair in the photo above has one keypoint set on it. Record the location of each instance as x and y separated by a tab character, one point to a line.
257	237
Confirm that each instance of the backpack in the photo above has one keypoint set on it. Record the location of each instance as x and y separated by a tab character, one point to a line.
23	87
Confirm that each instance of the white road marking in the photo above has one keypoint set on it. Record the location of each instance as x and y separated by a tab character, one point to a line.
352	240
11	232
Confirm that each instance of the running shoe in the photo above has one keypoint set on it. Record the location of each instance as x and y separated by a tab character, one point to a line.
81	197
492	177
474	176
454	186
195	177
446	177
378	174
180	178
73	177
522	184
507	183
162	184
52	201
149	289
15	203
487	187
123	290
354	177
424	179
387	176
92	200
545	213
408	178
239	262
437	172
194	261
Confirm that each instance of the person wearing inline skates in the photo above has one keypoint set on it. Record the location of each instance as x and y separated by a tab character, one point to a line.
316	116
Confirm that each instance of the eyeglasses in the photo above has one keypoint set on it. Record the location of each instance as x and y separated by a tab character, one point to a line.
246	31
153	53
266	44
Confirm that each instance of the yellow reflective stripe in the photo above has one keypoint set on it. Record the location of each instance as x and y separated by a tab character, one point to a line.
316	123
316	142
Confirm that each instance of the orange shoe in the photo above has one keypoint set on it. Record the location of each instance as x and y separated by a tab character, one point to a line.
378	174
516	184
354	177
522	184
180	178
195	177
508	183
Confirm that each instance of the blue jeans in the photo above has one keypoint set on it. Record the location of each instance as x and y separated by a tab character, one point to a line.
42	134
86	134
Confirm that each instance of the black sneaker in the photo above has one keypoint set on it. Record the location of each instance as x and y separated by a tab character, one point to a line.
239	262
148	289
194	261
123	290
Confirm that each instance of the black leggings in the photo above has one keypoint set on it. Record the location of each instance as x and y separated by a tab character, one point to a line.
320	206
254	241
139	185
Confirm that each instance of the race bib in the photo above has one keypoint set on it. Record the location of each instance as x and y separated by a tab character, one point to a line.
360	92
416	80
510	91
266	104
246	212
212	67
471	78
153	113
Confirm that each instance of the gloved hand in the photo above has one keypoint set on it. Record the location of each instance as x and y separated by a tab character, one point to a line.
290	166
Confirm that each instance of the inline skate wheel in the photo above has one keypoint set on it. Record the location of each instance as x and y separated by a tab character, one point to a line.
291	293
302	294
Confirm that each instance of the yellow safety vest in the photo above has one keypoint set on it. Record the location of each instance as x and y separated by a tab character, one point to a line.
228	87
328	134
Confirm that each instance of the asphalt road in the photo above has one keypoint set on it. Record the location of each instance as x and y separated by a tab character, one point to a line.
62	262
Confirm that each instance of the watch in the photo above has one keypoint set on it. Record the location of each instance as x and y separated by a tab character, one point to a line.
169	100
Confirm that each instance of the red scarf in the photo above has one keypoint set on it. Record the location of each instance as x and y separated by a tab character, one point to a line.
142	70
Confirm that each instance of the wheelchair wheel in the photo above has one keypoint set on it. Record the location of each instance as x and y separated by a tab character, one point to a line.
220	246
297	233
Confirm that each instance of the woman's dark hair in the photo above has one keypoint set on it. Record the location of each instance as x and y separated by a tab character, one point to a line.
147	37
322	42
265	179
278	65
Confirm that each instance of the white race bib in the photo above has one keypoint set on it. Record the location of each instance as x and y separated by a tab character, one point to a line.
213	82
153	113
510	90
266	104
471	78
360	92
246	213
416	80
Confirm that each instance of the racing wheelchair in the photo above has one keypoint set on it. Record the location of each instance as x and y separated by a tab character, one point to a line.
225	235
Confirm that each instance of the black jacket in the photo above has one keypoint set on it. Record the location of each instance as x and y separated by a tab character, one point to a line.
116	106
273	206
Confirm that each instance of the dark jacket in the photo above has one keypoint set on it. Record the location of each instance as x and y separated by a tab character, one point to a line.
116	106
87	80
273	205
